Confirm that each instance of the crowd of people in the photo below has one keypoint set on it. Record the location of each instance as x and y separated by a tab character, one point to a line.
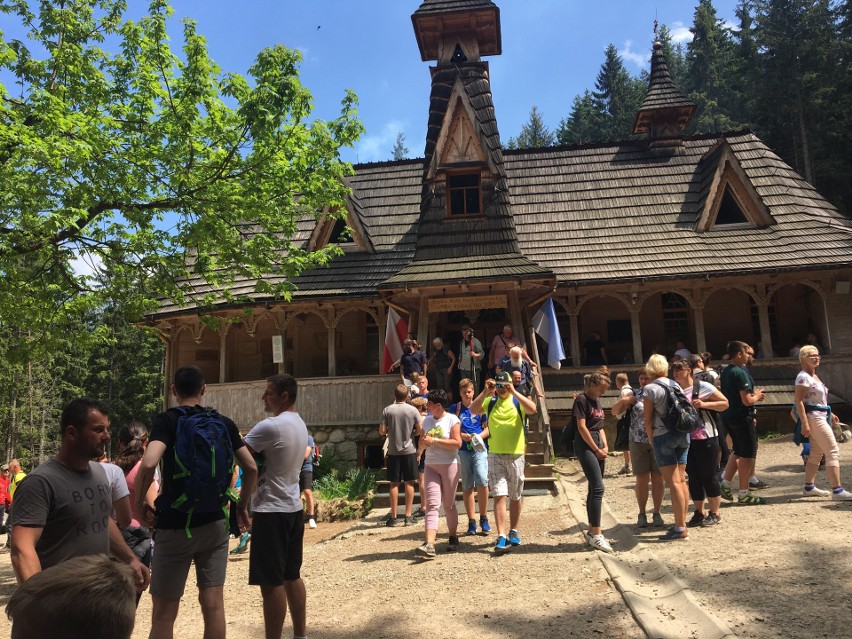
163	507
699	464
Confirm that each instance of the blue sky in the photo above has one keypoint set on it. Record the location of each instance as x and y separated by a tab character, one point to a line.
552	50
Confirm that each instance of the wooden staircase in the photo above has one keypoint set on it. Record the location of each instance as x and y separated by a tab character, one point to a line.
539	477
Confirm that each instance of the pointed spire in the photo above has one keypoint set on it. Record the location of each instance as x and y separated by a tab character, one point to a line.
666	111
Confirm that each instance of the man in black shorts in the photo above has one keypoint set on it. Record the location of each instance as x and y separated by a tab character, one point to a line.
278	520
739	420
399	421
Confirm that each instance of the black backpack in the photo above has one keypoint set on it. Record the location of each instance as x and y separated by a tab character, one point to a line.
680	416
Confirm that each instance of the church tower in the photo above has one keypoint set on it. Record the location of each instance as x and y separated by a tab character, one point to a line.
466	231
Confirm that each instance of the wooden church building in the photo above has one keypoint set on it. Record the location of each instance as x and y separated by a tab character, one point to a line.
647	242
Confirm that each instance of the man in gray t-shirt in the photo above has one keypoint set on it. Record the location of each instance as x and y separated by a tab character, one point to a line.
62	509
400	422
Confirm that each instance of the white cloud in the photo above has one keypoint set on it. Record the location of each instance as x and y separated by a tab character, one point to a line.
379	146
640	58
680	33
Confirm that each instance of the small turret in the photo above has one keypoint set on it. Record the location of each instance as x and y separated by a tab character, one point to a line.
455	31
666	111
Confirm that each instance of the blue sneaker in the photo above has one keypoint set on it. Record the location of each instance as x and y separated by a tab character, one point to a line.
514	539
484	526
471	527
501	547
243	545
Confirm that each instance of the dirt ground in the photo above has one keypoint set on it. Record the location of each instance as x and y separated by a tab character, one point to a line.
780	570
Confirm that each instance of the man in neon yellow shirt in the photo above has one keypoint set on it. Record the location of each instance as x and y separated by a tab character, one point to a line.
506	409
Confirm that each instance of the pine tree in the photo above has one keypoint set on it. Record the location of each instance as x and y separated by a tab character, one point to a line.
534	134
709	59
583	123
400	151
675	57
617	97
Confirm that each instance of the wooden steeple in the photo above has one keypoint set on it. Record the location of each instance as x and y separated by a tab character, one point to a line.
666	111
466	230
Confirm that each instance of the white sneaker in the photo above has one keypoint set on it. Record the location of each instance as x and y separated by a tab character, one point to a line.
312	523
843	495
598	542
816	492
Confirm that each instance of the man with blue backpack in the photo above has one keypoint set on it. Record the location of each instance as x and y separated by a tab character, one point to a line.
506	410
197	448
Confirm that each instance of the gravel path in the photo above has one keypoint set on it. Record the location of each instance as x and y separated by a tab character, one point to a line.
780	570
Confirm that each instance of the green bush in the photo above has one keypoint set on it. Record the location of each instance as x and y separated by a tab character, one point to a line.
356	483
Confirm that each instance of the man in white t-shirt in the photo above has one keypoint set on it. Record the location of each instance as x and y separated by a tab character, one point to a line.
278	523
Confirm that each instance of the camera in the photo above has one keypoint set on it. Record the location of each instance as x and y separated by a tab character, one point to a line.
500	384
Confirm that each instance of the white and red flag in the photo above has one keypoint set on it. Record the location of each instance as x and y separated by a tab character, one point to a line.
395	335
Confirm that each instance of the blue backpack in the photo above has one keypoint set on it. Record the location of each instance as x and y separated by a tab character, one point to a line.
204	464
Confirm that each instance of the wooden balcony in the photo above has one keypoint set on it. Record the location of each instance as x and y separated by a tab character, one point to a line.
322	401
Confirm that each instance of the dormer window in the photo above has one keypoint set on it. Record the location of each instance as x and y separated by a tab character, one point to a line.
729	210
340	233
464	195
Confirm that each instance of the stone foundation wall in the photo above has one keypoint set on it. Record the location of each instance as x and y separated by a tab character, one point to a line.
343	440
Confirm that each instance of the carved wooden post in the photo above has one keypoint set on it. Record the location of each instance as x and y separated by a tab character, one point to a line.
574	316
763	320
700	336
332	332
223	352
636	333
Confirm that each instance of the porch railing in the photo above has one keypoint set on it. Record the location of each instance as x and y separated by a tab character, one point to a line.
327	401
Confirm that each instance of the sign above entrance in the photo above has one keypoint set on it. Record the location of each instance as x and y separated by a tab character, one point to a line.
473	303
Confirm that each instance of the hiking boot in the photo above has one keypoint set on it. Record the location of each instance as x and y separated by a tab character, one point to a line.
697	519
453	544
642	520
757	485
842	496
312	522
392	521
726	492
514	539
658	520
675	535
427	551
711	520
598	542
408	521
484	526
471	527
625	470
243	545
501	547
751	500
815	492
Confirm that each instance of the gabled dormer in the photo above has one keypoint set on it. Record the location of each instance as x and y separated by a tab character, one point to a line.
730	199
348	232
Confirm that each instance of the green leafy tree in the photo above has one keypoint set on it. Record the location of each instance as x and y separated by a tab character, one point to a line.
158	167
534	133
400	151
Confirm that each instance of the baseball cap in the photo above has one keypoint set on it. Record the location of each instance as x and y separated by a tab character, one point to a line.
503	377
4	467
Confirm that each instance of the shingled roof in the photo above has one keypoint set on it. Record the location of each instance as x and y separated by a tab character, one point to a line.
462	249
620	212
452	6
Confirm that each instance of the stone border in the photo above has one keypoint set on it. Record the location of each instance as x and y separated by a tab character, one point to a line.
663	606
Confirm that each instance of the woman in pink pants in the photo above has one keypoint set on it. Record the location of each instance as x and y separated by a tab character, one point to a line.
442	436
